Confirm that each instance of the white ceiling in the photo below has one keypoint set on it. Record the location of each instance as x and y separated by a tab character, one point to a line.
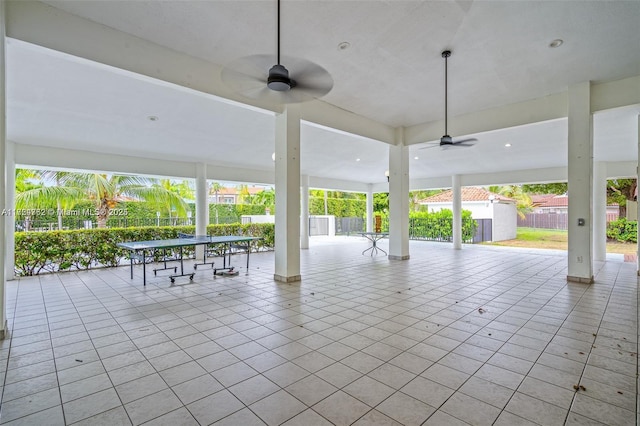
392	73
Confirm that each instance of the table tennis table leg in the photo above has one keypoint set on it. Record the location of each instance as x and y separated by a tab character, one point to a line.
248	251
144	269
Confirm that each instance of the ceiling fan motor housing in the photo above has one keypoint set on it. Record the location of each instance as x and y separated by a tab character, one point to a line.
446	140
279	79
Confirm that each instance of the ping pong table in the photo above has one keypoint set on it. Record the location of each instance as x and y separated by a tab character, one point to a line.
138	249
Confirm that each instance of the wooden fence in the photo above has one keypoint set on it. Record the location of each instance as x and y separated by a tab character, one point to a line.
552	220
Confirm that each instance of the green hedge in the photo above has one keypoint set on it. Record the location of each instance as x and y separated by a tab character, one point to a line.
623	230
54	251
339	207
435	226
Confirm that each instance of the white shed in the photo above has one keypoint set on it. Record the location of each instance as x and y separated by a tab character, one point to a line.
482	204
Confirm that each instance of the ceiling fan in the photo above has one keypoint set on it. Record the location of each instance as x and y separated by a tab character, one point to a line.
446	140
256	77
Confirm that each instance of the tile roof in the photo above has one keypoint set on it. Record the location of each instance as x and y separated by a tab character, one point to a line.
556	201
541	199
469	193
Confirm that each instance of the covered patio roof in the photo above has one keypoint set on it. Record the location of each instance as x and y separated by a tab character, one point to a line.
89	76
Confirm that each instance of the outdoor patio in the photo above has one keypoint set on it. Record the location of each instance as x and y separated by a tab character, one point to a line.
483	335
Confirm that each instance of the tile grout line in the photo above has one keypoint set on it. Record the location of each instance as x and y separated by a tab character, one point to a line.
591	347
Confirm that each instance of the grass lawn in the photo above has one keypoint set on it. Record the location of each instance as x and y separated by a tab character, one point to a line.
556	239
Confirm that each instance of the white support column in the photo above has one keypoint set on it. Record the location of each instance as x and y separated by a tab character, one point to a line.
304	212
3	181
287	238
580	185
600	211
399	198
202	205
638	203
369	216
10	220
456	189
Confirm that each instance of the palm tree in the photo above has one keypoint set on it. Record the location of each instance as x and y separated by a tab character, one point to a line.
181	188
265	198
215	188
523	201
105	191
416	196
244	196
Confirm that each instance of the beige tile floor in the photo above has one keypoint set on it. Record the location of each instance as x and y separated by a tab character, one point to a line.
478	336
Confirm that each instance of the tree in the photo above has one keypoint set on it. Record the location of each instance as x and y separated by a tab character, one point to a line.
516	192
244	196
265	198
27	179
215	189
381	202
102	189
416	196
620	191
546	188
182	189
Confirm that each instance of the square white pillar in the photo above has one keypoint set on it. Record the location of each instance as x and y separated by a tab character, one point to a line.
600	211
3	180
369	214
580	184
456	190
287	227
304	212
399	198
202	205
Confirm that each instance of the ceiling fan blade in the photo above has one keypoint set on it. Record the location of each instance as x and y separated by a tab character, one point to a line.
248	75
309	75
434	144
463	141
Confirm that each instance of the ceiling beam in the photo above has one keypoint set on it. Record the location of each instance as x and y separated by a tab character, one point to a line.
532	111
604	96
615	94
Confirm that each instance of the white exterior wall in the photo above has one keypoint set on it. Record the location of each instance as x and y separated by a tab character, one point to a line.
264	218
504	216
478	209
632	210
505	221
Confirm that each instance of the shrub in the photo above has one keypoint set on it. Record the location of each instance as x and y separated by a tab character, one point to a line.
623	230
54	251
435	226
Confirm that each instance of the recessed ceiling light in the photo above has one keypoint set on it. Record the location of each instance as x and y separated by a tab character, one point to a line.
153	118
416	158
507	145
344	45
357	159
273	156
556	43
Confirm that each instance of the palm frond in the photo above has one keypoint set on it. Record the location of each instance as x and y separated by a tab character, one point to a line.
48	197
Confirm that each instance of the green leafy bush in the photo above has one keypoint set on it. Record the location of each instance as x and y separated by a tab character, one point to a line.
438	226
434	226
38	252
339	207
623	230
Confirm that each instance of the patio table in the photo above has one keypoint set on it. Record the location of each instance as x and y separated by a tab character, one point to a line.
374	237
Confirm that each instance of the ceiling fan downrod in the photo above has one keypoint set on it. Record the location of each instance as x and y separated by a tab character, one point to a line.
278	79
445	55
